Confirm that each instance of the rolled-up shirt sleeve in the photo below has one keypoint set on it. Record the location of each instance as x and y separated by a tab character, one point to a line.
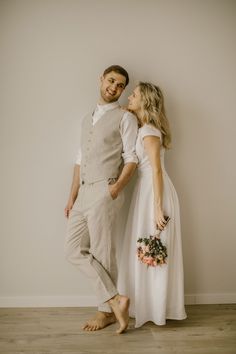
78	157
129	131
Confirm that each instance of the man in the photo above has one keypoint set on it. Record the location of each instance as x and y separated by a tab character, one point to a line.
105	163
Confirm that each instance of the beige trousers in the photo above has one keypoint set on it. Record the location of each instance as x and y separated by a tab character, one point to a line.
90	242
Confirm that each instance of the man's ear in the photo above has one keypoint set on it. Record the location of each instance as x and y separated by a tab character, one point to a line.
101	78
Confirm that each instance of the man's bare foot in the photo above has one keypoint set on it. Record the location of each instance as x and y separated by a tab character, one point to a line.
100	320
120	307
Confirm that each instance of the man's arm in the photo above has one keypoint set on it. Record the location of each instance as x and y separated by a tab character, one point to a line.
126	174
128	130
74	190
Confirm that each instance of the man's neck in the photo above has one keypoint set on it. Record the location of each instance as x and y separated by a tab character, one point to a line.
102	102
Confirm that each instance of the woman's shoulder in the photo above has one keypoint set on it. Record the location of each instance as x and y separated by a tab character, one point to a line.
148	129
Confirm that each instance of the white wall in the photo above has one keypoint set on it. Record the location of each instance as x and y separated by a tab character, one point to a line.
52	53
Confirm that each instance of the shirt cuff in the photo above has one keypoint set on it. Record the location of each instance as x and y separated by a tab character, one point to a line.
78	158
130	158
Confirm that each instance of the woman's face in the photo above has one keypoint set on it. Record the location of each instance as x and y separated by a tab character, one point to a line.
135	100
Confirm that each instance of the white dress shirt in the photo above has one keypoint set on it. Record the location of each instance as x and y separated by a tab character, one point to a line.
128	132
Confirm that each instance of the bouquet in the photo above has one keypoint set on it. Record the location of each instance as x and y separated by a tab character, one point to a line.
151	251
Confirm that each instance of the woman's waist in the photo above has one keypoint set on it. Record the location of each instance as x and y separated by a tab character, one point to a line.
147	170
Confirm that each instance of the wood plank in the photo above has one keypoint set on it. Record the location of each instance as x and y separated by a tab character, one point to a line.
209	329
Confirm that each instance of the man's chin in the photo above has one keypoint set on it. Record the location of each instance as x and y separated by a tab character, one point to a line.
110	99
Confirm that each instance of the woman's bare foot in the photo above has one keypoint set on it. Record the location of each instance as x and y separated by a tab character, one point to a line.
120	307
100	321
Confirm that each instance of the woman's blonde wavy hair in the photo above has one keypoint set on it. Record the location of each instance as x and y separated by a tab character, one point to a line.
153	110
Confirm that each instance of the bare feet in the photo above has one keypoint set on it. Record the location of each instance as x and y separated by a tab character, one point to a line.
100	320
120	307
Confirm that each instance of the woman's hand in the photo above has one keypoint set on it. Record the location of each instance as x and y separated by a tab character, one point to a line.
160	219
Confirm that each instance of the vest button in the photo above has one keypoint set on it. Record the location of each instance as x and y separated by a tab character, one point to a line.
82	182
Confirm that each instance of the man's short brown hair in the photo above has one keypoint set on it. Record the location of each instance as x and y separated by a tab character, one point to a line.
119	70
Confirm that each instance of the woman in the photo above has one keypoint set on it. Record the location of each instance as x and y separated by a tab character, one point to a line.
156	293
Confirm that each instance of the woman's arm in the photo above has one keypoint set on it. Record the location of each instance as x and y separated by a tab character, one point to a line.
152	145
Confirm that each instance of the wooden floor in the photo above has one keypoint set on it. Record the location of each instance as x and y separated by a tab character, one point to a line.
208	329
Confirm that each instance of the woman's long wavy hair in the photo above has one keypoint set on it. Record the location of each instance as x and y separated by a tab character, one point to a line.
153	110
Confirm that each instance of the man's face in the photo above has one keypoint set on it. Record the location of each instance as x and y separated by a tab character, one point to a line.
112	86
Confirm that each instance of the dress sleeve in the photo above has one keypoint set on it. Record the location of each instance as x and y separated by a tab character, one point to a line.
148	130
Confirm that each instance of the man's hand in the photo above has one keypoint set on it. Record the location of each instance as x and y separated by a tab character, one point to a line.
68	208
123	179
74	191
113	189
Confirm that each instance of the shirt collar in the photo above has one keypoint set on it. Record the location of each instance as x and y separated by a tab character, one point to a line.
107	107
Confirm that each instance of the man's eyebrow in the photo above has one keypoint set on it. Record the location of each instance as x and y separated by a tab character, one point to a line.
114	79
121	83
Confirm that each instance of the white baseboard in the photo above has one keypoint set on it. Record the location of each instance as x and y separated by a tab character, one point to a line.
90	301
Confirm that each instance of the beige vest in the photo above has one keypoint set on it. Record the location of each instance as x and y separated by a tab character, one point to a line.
101	147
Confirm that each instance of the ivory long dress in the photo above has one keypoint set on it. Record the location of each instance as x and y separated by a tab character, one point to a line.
156	293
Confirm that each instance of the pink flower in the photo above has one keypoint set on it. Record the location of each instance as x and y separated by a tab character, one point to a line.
147	245
148	260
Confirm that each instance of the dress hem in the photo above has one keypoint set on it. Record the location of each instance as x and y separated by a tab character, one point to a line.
157	323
